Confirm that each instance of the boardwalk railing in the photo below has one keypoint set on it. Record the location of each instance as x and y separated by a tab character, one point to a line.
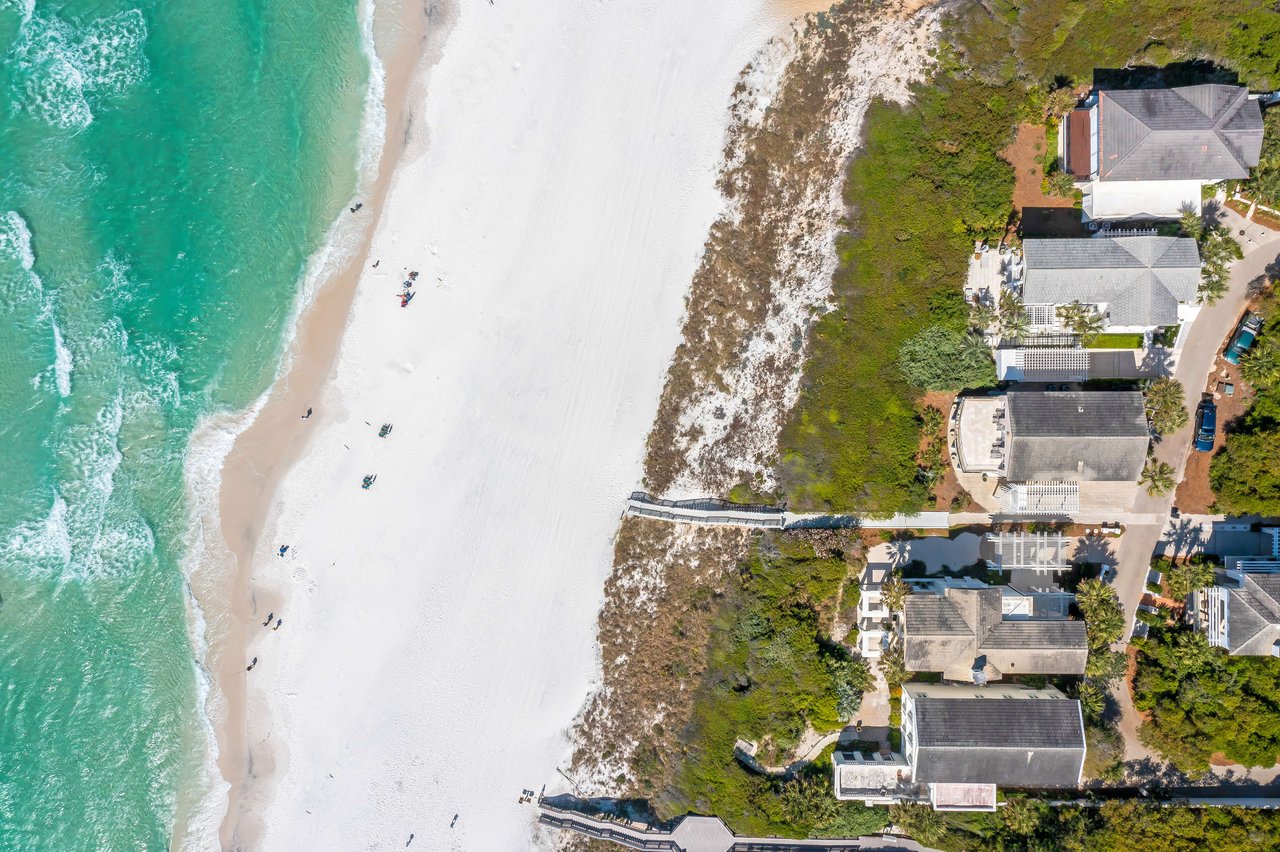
707	511
715	512
704	834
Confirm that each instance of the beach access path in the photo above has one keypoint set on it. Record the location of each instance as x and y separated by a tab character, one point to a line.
439	630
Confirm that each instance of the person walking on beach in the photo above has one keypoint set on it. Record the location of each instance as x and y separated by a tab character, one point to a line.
279	621
307	416
270	616
249	667
284	548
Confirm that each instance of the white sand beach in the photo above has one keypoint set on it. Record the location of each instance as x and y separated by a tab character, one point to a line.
554	194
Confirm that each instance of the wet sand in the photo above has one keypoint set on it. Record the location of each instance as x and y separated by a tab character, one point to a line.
263	452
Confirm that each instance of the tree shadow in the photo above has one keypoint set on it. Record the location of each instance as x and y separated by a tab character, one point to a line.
1148	772
1183	535
1156	361
1095	548
1163	76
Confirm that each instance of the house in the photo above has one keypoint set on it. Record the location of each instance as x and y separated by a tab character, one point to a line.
1042	450
981	635
1241	611
1146	153
963	741
1135	283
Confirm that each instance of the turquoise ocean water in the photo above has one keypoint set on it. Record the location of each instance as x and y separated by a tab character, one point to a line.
166	169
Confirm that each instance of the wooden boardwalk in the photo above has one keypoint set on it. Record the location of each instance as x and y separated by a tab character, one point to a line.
707	834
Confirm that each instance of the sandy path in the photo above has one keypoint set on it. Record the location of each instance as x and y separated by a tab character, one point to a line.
439	628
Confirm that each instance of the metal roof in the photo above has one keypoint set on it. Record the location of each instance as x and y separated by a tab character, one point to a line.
1013	742
1081	436
1253	615
1141	279
964	629
1207	132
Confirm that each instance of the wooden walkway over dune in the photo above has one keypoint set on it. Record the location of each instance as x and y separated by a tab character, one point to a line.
707	834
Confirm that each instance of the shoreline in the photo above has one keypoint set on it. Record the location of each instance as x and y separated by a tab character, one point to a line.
275	437
415	627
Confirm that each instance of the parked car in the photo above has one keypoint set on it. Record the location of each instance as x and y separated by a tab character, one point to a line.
1245	335
1206	425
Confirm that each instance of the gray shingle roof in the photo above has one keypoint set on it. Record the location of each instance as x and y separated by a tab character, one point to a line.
1078	436
1207	132
1142	279
961	629
1064	636
1253	615
1013	742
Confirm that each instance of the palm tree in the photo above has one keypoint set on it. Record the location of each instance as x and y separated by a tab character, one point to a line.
1261	366
1061	184
1013	317
1217	250
1092	699
893	593
1164	398
1083	320
1186	577
1213	286
893	665
1104	618
1190	222
1157	476
982	316
1060	102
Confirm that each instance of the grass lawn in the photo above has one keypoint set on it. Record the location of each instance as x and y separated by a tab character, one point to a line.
1115	341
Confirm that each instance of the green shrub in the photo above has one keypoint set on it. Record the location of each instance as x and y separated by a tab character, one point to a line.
771	672
941	358
1202	701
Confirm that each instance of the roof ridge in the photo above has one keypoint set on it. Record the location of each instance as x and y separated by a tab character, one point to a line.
1229	111
1102	124
1178	90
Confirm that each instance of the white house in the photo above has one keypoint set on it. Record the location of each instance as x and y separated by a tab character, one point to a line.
1135	283
963	741
1146	153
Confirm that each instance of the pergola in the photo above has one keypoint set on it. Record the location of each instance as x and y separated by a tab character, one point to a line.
1034	551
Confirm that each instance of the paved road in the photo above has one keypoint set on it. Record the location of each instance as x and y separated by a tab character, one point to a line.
1199	353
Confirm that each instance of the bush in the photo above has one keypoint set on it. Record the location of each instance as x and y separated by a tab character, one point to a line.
941	358
1245	476
771	671
928	181
1202	701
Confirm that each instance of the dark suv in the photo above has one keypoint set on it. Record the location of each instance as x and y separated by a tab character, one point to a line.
1206	425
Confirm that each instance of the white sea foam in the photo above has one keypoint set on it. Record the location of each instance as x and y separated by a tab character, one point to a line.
40	547
62	70
214	437
121	289
62	363
109	53
15	239
28	7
